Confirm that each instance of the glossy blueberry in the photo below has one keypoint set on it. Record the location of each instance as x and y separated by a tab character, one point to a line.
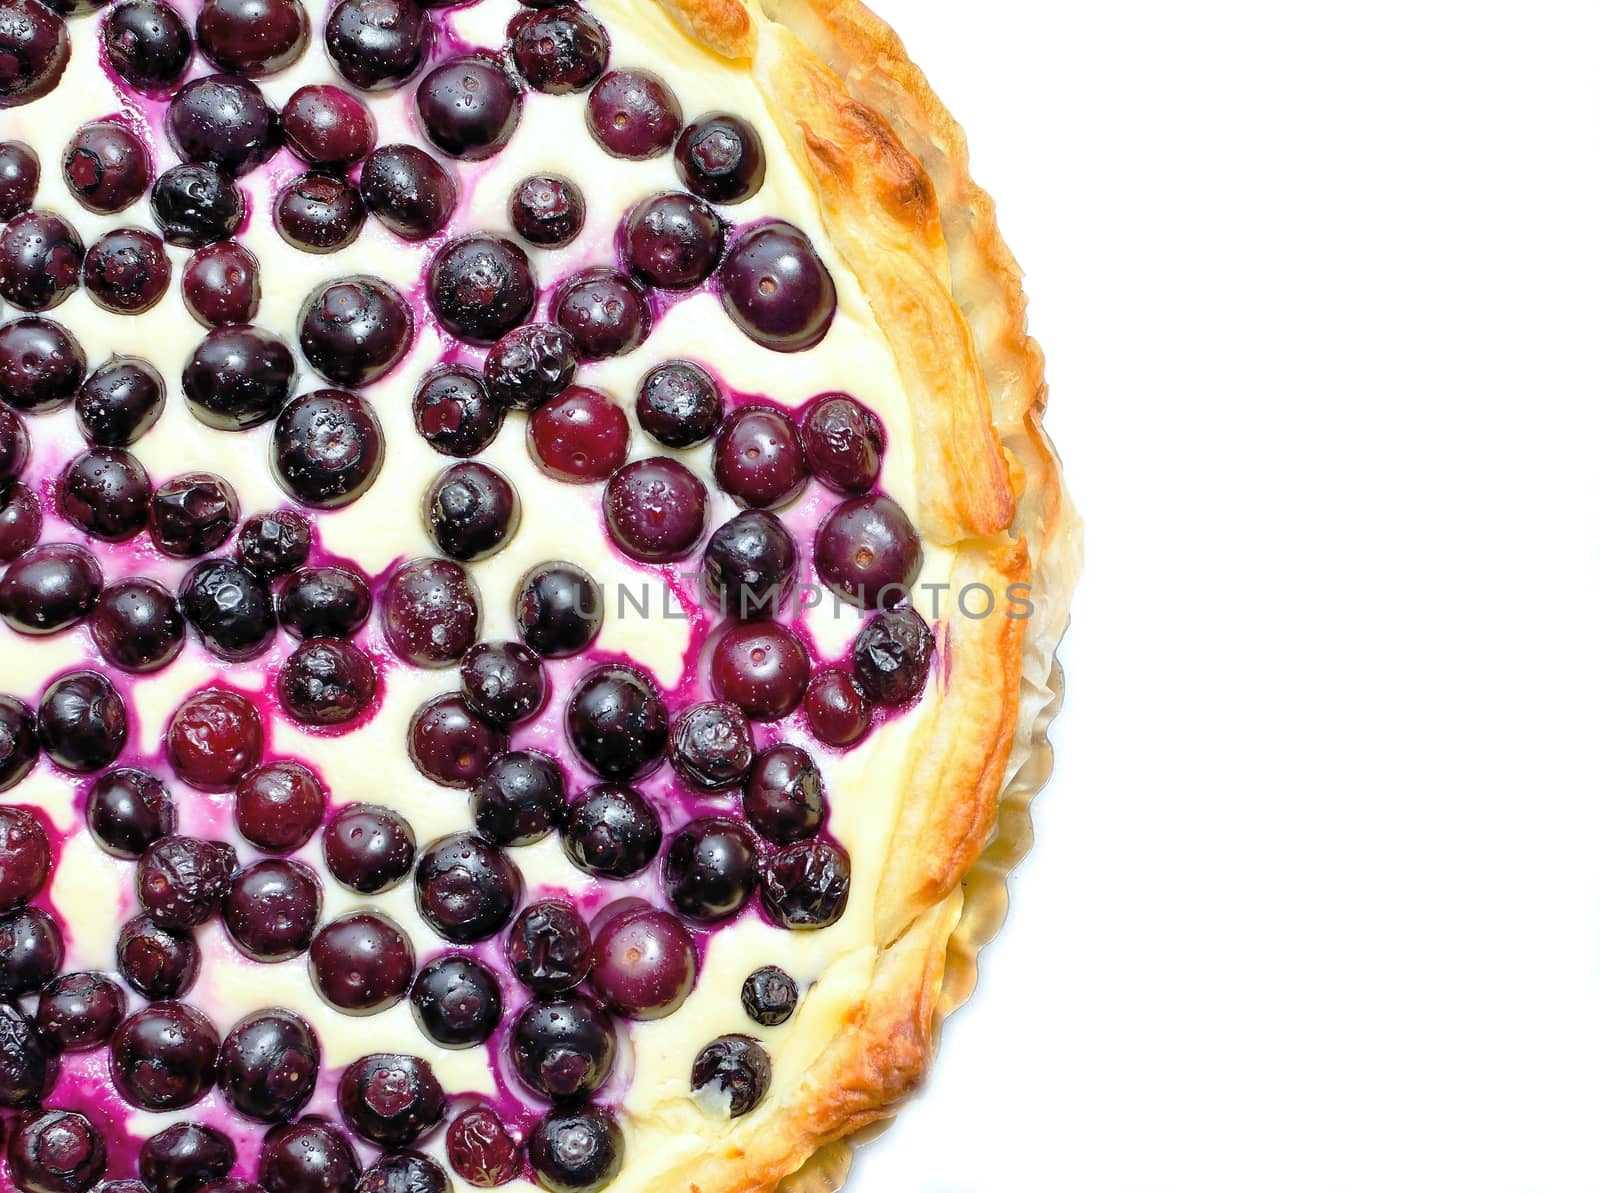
48	588
480	287
120	401
404	1172
327	601
271	909
837	710
468	108
749	566
267	1068
633	114
362	963
563	1048
56	1151
709	869
224	121
580	436
606	313
805	886
391	1099
41	254
230	607
19	744
672	241
471	511
180	881
776	289
769	996
157	962
126	271
407	191
127	811
560	49
41	364
868	552
147	44
466	888
222	284
456	1002
559	609
104	492
655	509
107	168
196	204
192	514
758	458
369	848
325	125
547	210
377	44
720	158
762	666
611	831
274	543
327	448
892	655
25	857
549	947
711	746
319	213
353	330
450	743
164	1056
503	682
843	443
15	445
34	46
575	1150
529	365
21	519
238	377
783	797
184	1157
252	38
213	738
19	178
645	963
519	799
31	949
617	722
28	1064
453	411
679	404
480	1148
279	805
735	1070
327	682
310	1156
83	724
430	612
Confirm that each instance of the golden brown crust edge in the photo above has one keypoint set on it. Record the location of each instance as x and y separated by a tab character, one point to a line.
890	165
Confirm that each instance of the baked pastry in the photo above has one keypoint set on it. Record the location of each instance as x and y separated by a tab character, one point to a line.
530	560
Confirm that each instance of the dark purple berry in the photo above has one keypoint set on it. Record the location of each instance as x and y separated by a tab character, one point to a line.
120	401
777	290
430	612
453	411
758	459
310	1156
180	881
273	543
28	1065
319	213
267	1069
327	448
196	204
709	870
456	1002
679	404
611	831
271	909
783	798
126	271
185	1157
471	511
192	514
127	811
529	365
362	963
279	805
892	655
720	158
164	1057
450	743
230	607
617	722
41	254
576	1150
519	799
769	996
369	848
391	1099
633	114
354	329
325	125
655	509
468	108
480	1148
252	38
105	493
377	44
25	859
404	1172
19	742
31	949
559	609
560	50
21	519
222	284
239	377
15	445
672	241
83	724
49	588
606	313
563	1048
711	747
837	711
41	364
34	48
466	888
480	287
157	962
843	443
147	43
106	167
762	667
327	682
749	566
56	1151
213	738
549	946
503	682
547	210
580	436
223	121
868	552
806	886
407	191
327	601
645	963
19	178
735	1070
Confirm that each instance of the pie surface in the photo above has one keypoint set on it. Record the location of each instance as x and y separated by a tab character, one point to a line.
514	611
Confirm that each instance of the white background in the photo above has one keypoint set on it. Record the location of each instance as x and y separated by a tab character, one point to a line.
1314	900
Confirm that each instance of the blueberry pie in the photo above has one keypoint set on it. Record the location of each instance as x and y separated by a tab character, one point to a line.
527	560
